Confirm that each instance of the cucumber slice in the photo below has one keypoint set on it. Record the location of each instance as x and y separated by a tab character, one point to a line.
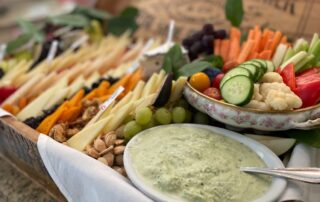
270	66
263	64
252	68
234	72
237	90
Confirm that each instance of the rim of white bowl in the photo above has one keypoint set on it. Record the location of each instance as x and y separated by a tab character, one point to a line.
268	157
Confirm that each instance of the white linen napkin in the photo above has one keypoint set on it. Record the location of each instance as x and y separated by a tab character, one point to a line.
302	156
81	178
4	113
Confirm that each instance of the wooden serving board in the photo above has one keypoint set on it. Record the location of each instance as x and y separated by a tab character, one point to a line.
18	145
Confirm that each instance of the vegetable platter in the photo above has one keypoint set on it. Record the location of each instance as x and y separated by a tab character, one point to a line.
95	93
265	83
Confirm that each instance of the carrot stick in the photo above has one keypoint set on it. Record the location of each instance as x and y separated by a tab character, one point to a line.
257	43
23	102
284	39
234	50
265	37
51	120
104	98
253	55
268	44
266	55
76	99
235	33
251	34
103	88
71	114
275	41
225	45
245	51
217	44
136	77
121	82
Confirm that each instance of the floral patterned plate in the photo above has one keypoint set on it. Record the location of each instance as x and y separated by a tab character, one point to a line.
306	118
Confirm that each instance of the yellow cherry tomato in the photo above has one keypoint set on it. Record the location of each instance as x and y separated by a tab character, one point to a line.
200	81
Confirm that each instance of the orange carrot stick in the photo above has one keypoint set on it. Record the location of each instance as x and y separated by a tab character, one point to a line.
235	33
51	120
245	51
251	34
266	55
121	82
23	102
275	41
234	50
225	45
284	39
265	37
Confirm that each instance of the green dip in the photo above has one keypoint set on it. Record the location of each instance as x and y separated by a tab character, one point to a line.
195	164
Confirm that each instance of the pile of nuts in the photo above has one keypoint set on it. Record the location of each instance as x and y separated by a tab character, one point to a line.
61	132
108	149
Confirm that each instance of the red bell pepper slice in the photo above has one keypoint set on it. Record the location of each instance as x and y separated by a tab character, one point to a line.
315	70
288	76
309	93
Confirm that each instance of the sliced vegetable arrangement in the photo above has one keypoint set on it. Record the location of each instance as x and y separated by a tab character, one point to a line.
263	72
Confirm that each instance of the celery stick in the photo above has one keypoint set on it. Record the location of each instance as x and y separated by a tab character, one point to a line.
279	55
300	45
289	54
315	50
295	59
313	42
304	64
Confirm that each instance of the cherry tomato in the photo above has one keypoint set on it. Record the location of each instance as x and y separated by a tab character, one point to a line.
213	93
216	81
200	81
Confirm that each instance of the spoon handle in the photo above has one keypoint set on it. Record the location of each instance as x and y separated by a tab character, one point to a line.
309	175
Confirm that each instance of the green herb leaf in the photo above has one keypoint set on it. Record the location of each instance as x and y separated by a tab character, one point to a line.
28	27
73	20
130	11
120	24
174	60
310	137
18	42
215	60
194	67
234	12
92	13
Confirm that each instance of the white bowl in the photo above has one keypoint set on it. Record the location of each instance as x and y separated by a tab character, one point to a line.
271	160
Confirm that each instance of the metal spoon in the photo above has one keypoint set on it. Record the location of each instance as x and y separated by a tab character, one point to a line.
309	175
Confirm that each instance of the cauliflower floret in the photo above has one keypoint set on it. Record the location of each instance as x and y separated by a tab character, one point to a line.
265	88
255	104
293	101
256	93
279	100
271	77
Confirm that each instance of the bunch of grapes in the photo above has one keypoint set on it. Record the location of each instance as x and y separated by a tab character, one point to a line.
145	118
202	42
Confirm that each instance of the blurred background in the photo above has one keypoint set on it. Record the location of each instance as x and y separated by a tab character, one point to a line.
295	18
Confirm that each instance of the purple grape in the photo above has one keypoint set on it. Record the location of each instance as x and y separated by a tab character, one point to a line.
197	48
197	36
212	72
208	50
220	34
187	42
192	56
207	41
208	29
